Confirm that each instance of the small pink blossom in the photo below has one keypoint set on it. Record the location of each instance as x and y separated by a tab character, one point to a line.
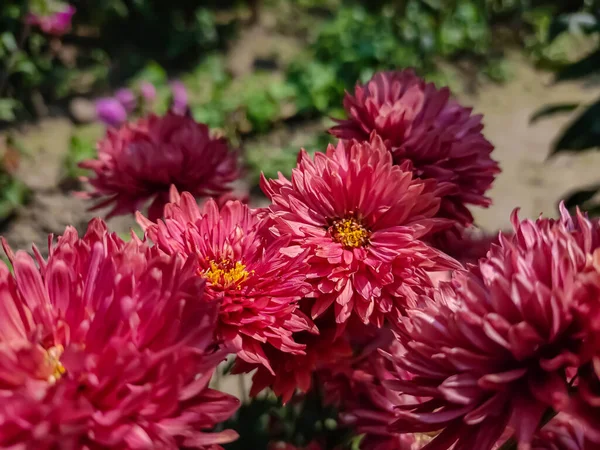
57	23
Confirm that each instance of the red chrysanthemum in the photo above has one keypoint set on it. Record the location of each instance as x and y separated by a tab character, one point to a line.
491	349
258	285
419	123
360	217
107	344
292	372
141	160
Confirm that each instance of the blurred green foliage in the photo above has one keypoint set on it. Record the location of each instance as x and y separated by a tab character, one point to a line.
80	149
302	421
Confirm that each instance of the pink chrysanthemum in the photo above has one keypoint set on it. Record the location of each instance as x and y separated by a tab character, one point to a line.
141	160
583	402
57	23
360	217
491	349
419	123
107	344
257	284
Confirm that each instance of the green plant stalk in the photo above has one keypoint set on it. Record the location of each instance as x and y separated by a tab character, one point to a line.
12	59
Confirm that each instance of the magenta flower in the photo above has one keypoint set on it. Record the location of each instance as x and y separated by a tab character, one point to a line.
491	349
419	123
180	98
140	161
111	112
126	97
107	344
57	23
360	217
257	284
148	91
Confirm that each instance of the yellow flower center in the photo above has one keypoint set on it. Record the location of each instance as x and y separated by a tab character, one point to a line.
349	232
226	274
53	359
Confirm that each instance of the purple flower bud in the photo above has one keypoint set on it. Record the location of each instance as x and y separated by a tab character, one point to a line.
180	98
110	111
127	98
148	91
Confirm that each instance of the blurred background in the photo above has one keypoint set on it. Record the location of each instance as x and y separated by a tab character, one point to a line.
270	75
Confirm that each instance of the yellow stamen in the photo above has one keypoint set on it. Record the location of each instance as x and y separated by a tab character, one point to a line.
349	232
53	359
226	274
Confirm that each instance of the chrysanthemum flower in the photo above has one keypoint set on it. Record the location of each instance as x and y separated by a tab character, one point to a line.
107	344
492	348
419	123
562	433
141	160
360	217
257	284
467	245
355	387
294	372
583	401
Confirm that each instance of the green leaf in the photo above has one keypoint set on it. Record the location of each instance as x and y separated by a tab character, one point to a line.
153	73
79	149
551	110
580	69
9	42
582	134
580	197
8	106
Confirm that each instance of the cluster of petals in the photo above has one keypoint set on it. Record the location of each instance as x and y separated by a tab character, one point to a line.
420	124
562	433
107	344
257	284
356	387
56	23
360	217
139	162
295	372
495	347
466	244
583	402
